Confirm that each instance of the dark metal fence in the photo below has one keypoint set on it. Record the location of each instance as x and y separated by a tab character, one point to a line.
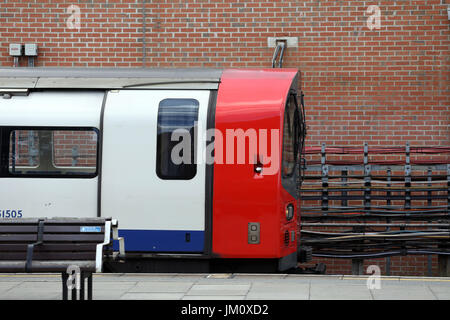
361	203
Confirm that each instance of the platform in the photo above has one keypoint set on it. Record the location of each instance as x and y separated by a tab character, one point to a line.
228	287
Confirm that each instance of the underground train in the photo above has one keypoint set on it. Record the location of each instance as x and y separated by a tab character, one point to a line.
199	166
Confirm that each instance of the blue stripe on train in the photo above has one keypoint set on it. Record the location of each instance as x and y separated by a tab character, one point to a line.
162	240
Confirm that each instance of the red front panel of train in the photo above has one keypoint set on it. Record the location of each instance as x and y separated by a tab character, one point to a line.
250	105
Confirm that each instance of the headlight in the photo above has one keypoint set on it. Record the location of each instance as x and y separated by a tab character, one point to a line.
289	212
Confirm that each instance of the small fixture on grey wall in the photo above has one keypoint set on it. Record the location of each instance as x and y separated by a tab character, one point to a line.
31	51
16	51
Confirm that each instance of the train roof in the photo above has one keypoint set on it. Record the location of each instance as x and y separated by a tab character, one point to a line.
114	78
109	78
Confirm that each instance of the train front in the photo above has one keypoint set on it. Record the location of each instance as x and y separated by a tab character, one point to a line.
259	134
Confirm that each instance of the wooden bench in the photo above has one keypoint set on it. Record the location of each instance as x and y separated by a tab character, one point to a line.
74	247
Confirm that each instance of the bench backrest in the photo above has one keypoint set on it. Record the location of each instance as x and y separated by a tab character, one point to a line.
58	243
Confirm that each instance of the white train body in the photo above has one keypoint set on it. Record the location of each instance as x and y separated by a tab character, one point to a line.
88	143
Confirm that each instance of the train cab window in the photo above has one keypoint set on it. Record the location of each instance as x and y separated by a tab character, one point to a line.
175	150
290	138
59	152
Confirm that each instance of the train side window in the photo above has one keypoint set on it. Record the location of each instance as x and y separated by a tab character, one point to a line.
75	149
23	150
290	138
175	150
53	153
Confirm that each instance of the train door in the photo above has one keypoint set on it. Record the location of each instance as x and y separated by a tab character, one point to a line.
48	154
153	179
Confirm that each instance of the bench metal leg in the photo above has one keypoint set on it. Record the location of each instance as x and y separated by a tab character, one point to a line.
83	279
74	293
89	278
64	277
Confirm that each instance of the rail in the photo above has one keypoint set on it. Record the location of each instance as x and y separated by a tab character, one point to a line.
360	203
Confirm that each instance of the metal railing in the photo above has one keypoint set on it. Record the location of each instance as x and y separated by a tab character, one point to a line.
361	203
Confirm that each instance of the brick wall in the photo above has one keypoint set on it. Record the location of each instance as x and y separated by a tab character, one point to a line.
411	265
385	86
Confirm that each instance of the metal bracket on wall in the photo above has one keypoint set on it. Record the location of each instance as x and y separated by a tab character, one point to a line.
280	44
279	50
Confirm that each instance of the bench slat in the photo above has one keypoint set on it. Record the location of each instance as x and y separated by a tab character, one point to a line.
75	221
78	247
48	256
18	228
28	238
49	229
80	237
47	266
